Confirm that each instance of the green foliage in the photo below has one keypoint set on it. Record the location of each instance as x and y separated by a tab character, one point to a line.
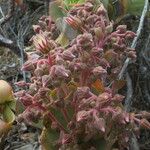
55	10
70	3
8	114
135	7
48	138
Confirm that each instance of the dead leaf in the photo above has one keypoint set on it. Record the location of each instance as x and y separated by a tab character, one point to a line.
4	128
99	86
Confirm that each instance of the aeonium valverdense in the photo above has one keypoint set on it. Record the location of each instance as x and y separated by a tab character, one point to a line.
70	86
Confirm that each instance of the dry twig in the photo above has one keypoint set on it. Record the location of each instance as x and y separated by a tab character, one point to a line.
138	33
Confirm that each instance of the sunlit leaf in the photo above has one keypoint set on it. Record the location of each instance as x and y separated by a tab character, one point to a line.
62	40
53	94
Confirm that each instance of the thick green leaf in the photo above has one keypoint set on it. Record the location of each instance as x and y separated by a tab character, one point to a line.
106	3
62	40
19	107
55	10
70	3
100	144
12	105
59	115
8	114
69	32
135	7
48	138
38	125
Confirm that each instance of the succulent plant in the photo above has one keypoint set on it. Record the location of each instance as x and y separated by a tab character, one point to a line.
6	92
7	108
74	87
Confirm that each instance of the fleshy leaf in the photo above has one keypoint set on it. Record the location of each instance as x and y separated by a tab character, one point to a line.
66	29
62	40
55	10
48	137
8	114
135	7
12	105
70	3
19	107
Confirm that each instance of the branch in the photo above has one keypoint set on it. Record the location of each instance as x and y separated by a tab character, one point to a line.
10	12
138	33
4	42
129	82
129	93
47	6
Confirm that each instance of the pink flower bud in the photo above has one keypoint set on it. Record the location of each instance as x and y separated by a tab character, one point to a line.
130	35
131	54
22	84
20	93
104	97
28	66
118	98
74	22
82	115
83	92
101	10
99	71
68	55
85	41
109	28
99	33
36	28
59	71
43	92
26	99
38	72
88	6
122	28
46	80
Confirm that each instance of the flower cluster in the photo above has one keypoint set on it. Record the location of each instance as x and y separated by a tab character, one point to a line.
73	82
